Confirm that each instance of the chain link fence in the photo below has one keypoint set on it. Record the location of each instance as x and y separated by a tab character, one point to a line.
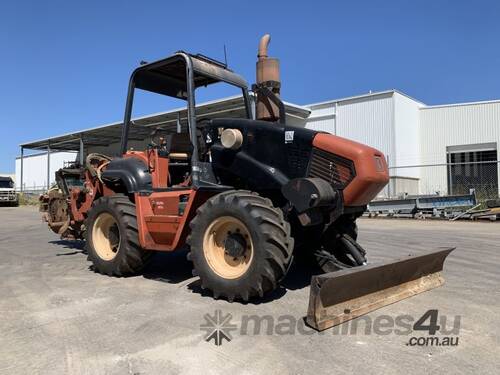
431	179
445	179
32	190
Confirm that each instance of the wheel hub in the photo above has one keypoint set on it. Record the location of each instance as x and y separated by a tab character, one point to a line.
106	236
228	247
235	245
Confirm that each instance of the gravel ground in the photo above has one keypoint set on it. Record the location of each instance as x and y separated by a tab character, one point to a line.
57	316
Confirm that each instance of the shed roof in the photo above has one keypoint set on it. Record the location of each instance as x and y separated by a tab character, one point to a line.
110	133
368	95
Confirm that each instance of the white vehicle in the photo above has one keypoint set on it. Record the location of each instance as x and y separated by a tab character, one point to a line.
8	194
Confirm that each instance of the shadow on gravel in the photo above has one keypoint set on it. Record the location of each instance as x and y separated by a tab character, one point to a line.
298	277
78	246
171	267
195	287
174	268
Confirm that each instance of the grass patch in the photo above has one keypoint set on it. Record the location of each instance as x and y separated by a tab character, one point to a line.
28	199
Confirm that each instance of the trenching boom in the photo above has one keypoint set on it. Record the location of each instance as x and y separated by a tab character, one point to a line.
337	297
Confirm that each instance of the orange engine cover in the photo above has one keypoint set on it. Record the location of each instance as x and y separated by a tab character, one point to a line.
371	173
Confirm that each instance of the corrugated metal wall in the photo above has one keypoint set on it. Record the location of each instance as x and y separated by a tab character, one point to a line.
452	126
35	169
406	135
368	120
322	118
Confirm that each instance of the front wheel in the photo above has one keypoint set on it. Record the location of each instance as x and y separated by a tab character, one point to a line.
240	245
339	248
112	240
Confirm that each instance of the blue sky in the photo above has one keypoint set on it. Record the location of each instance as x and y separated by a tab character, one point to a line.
65	64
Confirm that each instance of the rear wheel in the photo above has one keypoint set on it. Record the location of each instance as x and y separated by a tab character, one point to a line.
112	240
240	245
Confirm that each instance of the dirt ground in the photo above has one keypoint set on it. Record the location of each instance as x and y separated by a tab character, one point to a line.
57	316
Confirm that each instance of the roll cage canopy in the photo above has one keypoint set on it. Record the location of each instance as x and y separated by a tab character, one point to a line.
169	76
179	76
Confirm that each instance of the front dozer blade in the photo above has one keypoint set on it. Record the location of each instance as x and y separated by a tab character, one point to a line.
344	295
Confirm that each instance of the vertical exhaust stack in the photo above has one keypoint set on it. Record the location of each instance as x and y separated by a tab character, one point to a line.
268	75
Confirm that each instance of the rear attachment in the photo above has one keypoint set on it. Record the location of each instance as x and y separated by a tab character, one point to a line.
343	295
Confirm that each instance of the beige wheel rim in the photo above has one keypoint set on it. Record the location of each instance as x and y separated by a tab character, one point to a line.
106	236
222	261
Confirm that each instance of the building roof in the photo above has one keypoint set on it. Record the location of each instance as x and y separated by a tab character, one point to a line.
496	101
362	96
105	134
390	92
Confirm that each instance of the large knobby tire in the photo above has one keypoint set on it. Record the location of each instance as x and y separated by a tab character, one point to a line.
112	240
240	245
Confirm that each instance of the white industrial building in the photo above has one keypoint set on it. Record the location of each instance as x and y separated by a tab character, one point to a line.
445	149
388	121
35	168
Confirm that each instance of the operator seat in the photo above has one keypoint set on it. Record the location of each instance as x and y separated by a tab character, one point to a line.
179	146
